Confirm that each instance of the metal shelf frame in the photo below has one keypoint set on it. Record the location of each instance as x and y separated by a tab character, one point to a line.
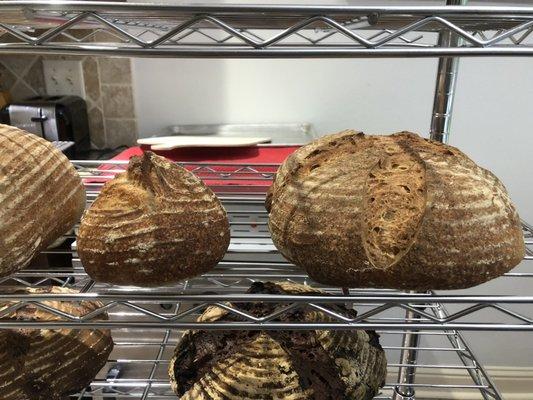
158	316
275	31
267	31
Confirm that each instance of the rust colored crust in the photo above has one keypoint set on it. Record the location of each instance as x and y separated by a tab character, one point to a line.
462	229
156	224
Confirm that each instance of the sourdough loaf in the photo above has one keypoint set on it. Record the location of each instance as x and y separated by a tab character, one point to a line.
41	197
392	211
49	364
155	224
284	365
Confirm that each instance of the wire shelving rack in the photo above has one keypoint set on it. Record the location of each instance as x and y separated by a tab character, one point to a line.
147	323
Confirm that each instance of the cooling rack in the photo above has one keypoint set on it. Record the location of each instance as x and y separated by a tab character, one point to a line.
147	324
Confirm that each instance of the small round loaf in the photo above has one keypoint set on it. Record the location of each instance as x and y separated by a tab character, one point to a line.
155	224
392	211
41	197
283	365
50	364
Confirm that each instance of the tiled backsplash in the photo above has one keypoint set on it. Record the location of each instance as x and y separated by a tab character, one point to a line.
108	93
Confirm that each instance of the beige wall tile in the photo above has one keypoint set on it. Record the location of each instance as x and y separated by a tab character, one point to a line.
18	64
7	78
21	91
91	79
115	70
107	37
117	101
121	132
35	77
96	128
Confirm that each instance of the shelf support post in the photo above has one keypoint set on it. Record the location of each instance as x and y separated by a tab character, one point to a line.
440	130
408	356
446	83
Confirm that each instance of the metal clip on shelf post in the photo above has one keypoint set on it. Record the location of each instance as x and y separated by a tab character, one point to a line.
440	130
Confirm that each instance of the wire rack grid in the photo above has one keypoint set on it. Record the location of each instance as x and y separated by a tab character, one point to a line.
147	323
131	29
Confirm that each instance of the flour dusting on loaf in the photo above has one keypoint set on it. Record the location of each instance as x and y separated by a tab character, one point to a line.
41	197
392	211
155	224
50	364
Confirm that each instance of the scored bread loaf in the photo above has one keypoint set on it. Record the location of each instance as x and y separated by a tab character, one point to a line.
283	365
392	211
41	197
50	364
155	224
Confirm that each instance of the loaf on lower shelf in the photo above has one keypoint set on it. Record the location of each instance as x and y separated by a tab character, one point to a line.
155	224
284	365
50	364
41	197
392	211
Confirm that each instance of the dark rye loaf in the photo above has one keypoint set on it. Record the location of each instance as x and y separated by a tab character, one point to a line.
392	211
283	365
155	224
41	197
49	364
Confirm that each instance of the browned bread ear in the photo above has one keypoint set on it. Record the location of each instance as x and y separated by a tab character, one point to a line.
393	211
41	197
155	224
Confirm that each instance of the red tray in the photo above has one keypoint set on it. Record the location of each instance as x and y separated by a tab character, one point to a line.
224	169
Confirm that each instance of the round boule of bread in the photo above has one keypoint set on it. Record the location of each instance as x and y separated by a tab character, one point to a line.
394	211
41	197
50	364
283	364
155	224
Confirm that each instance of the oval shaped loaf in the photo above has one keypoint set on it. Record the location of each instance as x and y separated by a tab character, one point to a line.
155	224
284	365
41	197
392	211
50	364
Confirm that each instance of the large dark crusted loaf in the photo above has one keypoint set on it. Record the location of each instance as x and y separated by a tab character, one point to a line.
283	365
49	364
392	211
155	224
41	197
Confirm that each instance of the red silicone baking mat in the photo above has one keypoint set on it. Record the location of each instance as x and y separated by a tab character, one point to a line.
244	169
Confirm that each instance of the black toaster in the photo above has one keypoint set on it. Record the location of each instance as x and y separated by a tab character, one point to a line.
54	118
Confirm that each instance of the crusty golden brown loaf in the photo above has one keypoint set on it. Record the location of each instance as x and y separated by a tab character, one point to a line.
155	224
41	197
49	364
392	211
283	365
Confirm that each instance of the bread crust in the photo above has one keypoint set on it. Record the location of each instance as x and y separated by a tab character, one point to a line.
466	232
41	197
155	224
288	365
49	364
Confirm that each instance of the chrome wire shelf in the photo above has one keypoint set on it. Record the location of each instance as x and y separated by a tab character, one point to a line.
253	257
147	376
129	29
147	323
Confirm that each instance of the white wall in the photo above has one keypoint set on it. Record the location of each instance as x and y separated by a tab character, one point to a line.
492	119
